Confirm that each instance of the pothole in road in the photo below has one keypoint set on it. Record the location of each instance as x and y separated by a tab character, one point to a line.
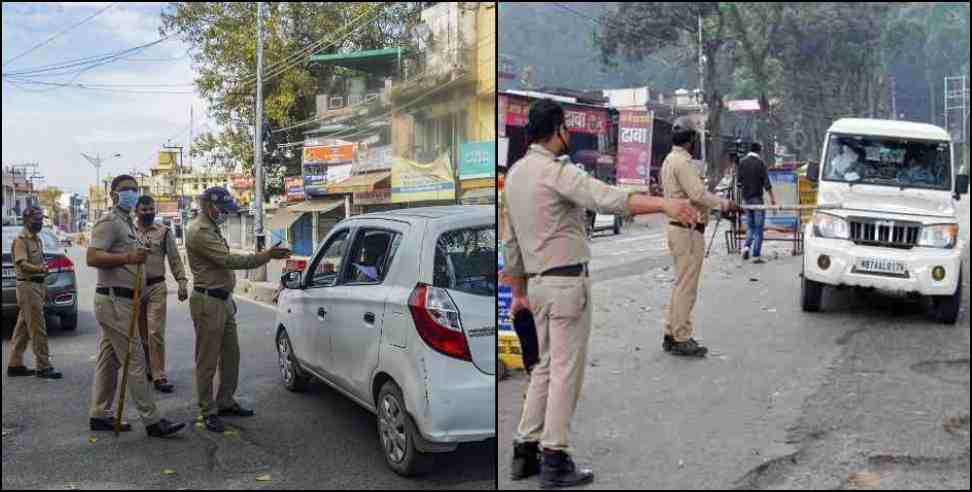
949	371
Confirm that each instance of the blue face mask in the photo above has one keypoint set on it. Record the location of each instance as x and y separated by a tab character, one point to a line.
127	199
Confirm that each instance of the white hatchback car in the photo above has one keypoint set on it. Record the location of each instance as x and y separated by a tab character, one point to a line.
397	311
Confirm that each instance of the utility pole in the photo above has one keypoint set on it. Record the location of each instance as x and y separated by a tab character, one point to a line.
894	98
96	161
705	164
261	274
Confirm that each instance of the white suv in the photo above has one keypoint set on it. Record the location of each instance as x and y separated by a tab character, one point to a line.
397	311
893	190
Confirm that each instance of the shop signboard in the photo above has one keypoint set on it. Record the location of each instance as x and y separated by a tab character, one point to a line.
634	147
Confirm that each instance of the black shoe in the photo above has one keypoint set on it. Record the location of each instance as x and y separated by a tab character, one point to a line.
163	386
108	425
558	471
758	261
746	254
214	424
163	429
236	411
19	371
526	461
667	343
49	373
690	348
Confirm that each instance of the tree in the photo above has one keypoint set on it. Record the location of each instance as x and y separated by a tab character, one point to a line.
637	30
222	41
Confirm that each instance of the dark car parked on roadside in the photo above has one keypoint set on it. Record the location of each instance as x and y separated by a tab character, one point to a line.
62	284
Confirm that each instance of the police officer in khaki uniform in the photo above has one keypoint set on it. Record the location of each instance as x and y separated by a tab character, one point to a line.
213	308
115	251
31	269
546	254
681	179
152	320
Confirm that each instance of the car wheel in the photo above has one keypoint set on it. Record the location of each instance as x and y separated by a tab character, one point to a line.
617	226
293	376
397	433
812	294
69	322
947	308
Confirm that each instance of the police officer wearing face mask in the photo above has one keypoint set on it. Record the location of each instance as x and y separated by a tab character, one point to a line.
152	320
546	254
213	308
31	269
115	252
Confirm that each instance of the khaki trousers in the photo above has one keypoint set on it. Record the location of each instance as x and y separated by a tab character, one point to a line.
114	315
217	347
151	326
562	312
31	326
688	249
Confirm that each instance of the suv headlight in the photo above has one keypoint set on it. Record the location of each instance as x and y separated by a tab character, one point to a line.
830	226
939	236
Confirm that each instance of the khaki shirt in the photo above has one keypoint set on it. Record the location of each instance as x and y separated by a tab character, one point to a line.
115	233
546	204
161	247
210	259
27	247
681	180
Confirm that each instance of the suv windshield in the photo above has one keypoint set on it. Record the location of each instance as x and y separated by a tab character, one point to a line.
888	162
465	260
11	232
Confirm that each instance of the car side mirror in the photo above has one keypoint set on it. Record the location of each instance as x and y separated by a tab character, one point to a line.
813	172
962	184
291	280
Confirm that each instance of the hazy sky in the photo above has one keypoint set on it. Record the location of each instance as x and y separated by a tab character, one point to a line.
52	125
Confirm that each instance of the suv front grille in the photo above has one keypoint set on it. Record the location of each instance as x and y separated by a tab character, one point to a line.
886	233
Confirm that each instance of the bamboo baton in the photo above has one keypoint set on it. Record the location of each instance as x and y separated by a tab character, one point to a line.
136	307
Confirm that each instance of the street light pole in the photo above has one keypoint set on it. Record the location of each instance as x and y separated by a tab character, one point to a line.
96	161
261	273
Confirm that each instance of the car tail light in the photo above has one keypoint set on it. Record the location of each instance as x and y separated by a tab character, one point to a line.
60	264
64	299
295	266
437	321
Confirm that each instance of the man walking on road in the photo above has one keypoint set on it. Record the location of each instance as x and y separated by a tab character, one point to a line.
213	309
546	245
151	324
114	251
754	179
680	179
30	267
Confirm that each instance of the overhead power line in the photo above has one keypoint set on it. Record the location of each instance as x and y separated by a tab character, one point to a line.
58	34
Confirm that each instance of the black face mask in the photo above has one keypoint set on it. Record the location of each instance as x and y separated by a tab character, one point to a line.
147	219
35	227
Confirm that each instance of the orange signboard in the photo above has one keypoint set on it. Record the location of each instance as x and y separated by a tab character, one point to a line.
329	154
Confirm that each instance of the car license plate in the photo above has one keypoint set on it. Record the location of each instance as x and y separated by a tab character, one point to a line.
877	265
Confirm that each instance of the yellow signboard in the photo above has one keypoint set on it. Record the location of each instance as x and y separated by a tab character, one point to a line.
167	160
415	182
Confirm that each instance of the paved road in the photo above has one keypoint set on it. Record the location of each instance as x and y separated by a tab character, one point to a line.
785	400
316	440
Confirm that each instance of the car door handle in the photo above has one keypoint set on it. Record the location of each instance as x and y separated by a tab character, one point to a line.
369	318
321	314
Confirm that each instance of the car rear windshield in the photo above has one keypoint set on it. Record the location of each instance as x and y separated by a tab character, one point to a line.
11	233
465	260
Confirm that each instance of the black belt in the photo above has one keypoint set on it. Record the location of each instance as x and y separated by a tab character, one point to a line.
565	271
154	280
119	292
217	293
36	280
698	227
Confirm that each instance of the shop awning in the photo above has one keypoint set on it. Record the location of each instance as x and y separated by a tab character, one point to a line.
322	206
283	218
361	183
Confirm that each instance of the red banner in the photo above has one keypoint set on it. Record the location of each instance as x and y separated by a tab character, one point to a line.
517	111
634	147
